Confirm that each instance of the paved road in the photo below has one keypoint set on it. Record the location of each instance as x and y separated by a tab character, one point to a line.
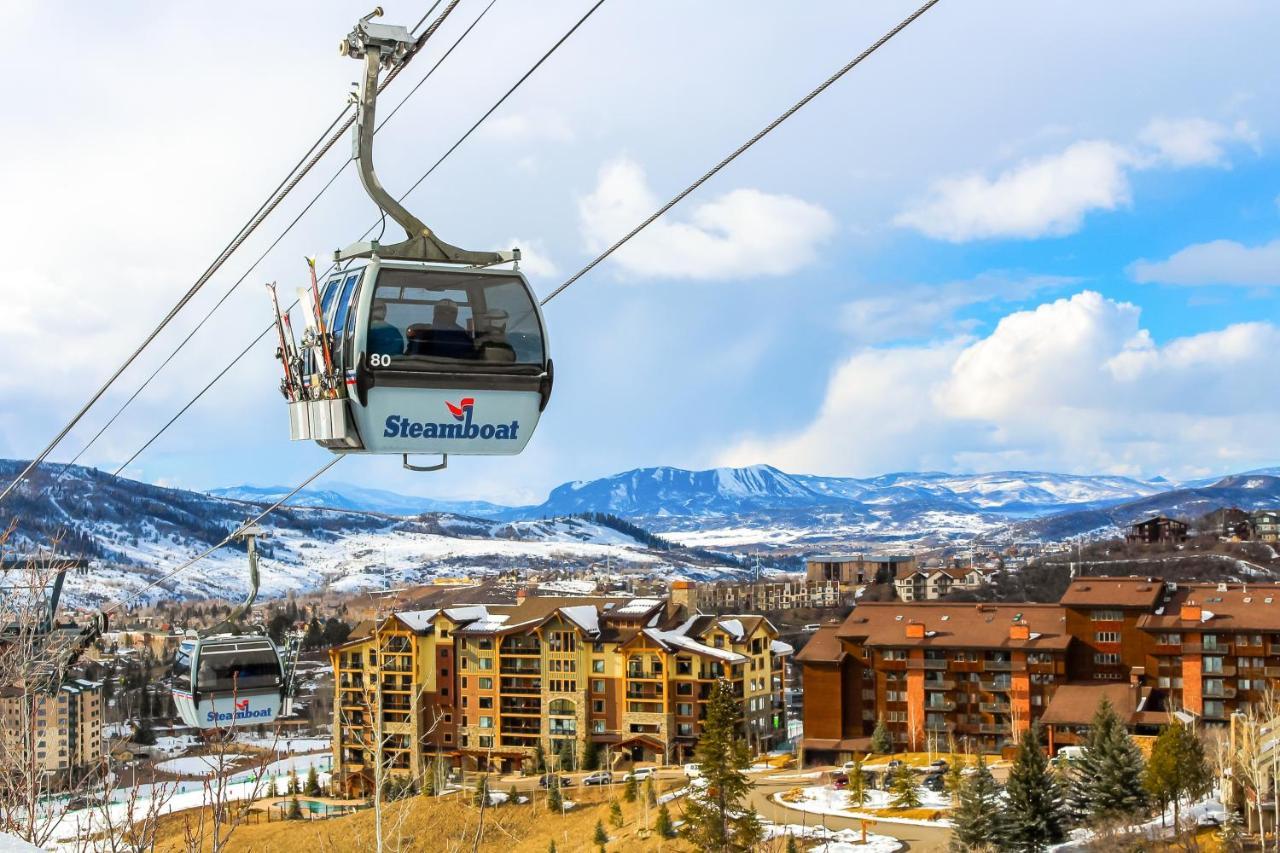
917	838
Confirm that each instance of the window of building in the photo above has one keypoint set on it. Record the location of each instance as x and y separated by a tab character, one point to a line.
464	682
486	722
486	663
597	726
597	665
1107	636
448	718
444	691
444	634
444	673
1106	658
444	653
895	654
485	643
1213	708
1212	664
448	737
1107	615
486	701
1209	641
486	741
597	706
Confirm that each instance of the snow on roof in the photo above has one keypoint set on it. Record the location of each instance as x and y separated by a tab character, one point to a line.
569	586
780	648
638	605
586	616
734	627
466	612
680	641
417	620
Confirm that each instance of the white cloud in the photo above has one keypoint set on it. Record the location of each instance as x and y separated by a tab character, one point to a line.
1215	262
1076	384
928	310
1045	197
1051	195
1194	141
743	233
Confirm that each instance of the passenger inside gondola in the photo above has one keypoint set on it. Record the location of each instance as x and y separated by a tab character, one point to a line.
384	338
448	339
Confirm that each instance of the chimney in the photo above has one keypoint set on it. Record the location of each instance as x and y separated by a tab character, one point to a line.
1020	631
915	630
521	594
1189	612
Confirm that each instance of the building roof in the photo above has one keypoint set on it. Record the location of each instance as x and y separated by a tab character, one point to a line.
1223	607
1135	593
1075	704
953	625
860	558
823	647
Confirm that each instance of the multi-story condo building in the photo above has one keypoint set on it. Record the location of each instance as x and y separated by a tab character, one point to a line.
982	672
979	673
854	570
482	686
57	733
759	597
932	584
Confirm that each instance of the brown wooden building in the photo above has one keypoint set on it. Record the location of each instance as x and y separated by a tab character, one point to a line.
1157	529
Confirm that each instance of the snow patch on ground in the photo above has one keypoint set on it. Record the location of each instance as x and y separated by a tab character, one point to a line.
200	765
838	841
823	799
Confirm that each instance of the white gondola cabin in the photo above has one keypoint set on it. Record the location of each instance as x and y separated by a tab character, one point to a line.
228	681
417	347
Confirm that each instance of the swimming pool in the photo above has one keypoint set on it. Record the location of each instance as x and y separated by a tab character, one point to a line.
314	807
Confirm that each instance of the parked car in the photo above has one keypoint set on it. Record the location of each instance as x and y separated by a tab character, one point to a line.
693	771
600	777
934	782
894	763
1071	753
561	781
941	764
1209	819
839	781
639	774
848	766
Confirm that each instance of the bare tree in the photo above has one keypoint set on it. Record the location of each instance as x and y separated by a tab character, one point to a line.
37	764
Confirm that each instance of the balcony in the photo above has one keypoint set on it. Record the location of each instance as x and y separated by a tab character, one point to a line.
644	674
996	686
520	666
518	648
937	726
939	685
523	687
1271	671
927	663
994	729
993	707
997	665
946	705
521	708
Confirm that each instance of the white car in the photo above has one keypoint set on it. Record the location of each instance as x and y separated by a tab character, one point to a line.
693	771
639	774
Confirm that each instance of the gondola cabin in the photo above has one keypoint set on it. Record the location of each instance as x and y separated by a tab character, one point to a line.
228	681
433	359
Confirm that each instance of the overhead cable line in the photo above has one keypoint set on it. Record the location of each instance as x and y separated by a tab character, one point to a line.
741	148
227	540
187	338
370	229
245	231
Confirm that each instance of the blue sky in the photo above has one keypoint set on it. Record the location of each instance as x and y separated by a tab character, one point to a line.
1022	235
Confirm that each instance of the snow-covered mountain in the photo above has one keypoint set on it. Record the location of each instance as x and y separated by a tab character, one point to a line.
135	533
361	498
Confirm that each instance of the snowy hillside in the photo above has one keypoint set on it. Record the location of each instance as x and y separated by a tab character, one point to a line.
135	533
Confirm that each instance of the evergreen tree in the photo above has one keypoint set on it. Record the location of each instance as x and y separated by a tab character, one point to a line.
902	788
275	786
650	792
978	819
1177	769
615	813
482	791
314	637
539	759
1034	803
513	796
881	742
143	734
663	825
857	787
293	782
295	808
554	801
600	836
1107	783
590	755
718	819
429	783
313	783
551	848
631	789
792	847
